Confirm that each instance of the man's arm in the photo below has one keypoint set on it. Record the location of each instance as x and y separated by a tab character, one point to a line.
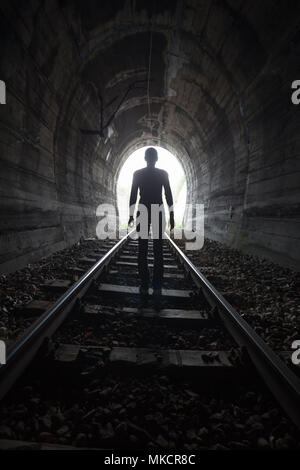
133	197
169	199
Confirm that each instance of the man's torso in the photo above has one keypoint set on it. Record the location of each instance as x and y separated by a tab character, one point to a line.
150	182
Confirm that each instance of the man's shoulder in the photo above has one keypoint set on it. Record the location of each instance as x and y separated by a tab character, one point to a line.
137	172
163	173
157	171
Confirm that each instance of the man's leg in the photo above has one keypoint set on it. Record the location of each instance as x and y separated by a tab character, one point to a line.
158	263
158	256
143	232
143	263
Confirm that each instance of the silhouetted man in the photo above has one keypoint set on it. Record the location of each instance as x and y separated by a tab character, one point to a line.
150	181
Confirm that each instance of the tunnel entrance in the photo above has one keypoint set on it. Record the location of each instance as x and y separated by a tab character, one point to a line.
166	161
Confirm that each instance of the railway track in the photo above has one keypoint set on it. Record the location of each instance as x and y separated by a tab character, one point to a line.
98	327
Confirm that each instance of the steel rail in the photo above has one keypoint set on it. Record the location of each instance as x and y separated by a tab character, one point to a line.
280	379
21	353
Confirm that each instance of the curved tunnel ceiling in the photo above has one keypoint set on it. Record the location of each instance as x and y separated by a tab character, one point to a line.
204	55
189	66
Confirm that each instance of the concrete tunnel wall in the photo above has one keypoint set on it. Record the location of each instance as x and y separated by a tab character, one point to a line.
220	98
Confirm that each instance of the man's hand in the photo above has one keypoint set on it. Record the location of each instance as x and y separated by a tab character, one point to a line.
172	223
130	221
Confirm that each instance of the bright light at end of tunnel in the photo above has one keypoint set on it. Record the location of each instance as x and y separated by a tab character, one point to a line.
166	161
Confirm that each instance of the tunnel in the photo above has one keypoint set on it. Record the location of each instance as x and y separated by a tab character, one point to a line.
89	83
161	345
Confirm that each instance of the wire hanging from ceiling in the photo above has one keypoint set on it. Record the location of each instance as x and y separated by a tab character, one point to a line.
149	76
149	68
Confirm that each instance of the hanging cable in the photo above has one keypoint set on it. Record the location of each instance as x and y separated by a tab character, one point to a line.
149	63
148	79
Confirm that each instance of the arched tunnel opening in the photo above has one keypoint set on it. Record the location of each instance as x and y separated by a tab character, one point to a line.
166	161
86	87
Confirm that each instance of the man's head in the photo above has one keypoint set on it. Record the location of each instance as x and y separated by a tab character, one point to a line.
151	156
